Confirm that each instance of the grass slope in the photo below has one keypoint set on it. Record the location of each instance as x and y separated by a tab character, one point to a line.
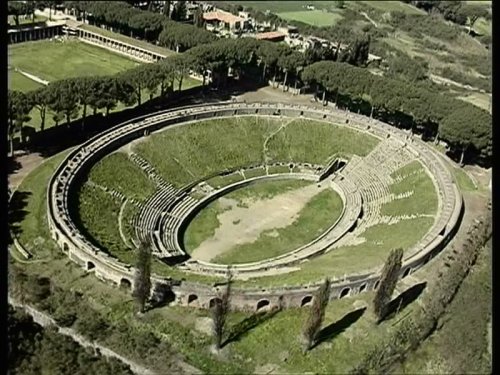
423	200
312	17
19	82
466	321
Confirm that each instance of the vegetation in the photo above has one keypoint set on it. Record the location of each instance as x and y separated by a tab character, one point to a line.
316	315
220	311
35	350
142	282
387	283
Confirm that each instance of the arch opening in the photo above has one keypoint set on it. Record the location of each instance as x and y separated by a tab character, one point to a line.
90	266
407	272
125	284
307	300
192	298
262	304
345	292
213	302
362	288
65	247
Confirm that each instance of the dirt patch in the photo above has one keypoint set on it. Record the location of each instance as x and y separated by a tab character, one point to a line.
241	225
24	164
204	325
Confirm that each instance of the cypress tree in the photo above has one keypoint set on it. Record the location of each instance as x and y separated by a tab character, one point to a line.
387	282
316	315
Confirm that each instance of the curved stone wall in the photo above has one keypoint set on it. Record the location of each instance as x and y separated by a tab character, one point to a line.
83	252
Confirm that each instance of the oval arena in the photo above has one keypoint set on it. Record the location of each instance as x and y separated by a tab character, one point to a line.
361	182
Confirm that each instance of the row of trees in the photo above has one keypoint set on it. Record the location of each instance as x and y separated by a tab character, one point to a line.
125	19
463	126
466	128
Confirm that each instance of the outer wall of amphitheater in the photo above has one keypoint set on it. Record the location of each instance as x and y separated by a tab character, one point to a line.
109	269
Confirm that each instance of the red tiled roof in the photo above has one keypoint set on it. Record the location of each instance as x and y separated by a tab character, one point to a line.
222	16
270	35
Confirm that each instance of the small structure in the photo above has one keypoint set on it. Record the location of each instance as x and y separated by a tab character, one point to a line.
272	36
220	20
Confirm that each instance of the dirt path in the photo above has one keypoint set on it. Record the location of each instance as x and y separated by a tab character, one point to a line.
27	163
240	225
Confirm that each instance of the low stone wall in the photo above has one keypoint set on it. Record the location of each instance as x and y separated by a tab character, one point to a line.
108	268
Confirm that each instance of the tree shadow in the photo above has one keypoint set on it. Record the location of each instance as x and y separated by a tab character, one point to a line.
13	165
247	324
334	329
17	211
403	300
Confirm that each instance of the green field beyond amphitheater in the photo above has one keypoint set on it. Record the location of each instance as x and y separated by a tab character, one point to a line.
55	60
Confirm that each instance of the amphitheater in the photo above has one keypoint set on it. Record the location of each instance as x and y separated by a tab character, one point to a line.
363	184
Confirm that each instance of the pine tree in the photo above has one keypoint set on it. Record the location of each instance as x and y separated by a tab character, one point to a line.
387	283
316	315
142	284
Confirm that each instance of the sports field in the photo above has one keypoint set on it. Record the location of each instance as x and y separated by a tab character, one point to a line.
17	81
43	59
313	17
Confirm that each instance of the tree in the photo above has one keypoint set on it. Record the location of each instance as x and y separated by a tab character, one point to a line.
179	11
220	312
316	315
85	86
387	283
19	106
339	4
198	18
40	98
63	98
142	282
464	128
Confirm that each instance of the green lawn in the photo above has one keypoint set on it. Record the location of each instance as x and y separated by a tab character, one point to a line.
44	59
219	181
284	6
317	216
203	226
126	39
19	82
312	17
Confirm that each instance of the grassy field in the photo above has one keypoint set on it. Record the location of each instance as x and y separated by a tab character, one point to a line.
266	190
422	201
313	17
463	180
123	38
17	81
479	99
43	59
317	216
117	172
235	142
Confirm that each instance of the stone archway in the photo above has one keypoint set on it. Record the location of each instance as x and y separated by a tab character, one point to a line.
345	292
307	300
125	284
407	272
90	266
214	301
65	247
192	300
262	304
362	288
